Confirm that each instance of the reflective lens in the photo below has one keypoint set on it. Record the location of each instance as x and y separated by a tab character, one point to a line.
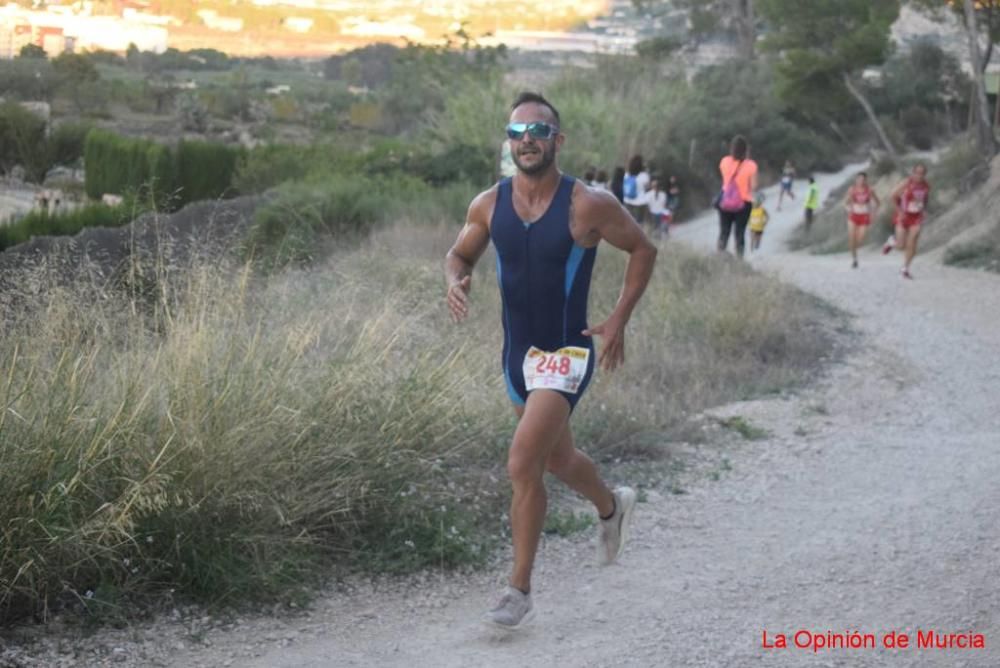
536	130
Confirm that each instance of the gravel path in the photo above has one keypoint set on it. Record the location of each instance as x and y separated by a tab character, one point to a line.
871	506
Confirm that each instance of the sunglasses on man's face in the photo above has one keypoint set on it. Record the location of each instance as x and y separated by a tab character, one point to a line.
535	130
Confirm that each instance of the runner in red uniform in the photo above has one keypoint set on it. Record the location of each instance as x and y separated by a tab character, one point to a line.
859	207
911	197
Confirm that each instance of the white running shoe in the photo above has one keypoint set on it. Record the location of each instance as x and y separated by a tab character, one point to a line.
613	532
890	243
513	611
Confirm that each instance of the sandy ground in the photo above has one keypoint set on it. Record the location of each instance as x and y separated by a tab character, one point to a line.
870	507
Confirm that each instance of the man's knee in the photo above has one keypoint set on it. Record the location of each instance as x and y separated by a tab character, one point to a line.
524	465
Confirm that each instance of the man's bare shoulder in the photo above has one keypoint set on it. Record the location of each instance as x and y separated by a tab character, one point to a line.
482	205
593	204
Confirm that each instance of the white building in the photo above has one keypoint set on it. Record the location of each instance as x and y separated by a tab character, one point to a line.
300	24
212	20
362	27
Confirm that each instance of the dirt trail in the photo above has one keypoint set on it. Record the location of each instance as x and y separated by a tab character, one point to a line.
872	506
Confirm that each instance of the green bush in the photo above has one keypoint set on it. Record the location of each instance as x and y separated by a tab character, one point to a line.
205	170
295	226
107	157
269	165
162	184
919	127
39	223
171	176
67	142
23	141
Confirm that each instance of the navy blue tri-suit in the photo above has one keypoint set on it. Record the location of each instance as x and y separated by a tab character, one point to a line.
544	280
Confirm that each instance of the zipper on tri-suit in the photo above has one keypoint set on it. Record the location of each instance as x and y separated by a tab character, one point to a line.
527	281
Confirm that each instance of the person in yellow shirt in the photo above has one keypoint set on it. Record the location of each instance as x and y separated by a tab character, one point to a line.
758	220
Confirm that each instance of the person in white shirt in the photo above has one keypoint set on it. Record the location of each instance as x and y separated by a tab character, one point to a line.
656	206
635	188
601	180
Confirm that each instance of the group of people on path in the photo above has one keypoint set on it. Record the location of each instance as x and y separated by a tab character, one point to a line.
652	200
545	227
741	205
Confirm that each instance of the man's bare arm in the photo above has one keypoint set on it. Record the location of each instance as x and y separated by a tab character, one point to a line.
465	252
602	212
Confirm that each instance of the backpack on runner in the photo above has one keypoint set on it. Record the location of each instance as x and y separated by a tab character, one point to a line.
730	200
630	189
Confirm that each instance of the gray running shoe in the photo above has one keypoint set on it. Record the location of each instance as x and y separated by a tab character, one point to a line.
513	611
613	532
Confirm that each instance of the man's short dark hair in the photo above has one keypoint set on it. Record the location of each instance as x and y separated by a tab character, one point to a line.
527	97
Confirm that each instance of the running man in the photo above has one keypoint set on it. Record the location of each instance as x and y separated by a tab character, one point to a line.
858	203
911	197
545	227
787	179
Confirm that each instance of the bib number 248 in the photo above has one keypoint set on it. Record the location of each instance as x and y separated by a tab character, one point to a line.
562	370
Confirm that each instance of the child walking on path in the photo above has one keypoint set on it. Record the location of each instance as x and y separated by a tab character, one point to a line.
758	221
812	201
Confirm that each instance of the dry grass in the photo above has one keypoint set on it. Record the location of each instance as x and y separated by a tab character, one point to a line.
228	436
982	252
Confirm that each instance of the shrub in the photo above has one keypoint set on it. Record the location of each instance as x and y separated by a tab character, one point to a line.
919	127
269	165
111	164
296	225
22	141
67	142
205	170
39	223
171	176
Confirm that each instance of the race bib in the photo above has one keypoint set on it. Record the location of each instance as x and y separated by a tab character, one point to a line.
914	206
562	370
860	209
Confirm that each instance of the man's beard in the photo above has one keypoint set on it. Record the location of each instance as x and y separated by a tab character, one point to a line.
548	156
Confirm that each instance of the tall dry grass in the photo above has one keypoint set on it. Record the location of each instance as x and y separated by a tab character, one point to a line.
229	436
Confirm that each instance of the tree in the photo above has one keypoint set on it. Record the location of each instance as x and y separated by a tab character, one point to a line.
23	141
985	140
32	51
823	45
987	20
75	74
133	56
709	17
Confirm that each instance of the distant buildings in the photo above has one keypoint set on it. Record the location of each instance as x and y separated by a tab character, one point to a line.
212	20
298	24
14	36
359	26
60	31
